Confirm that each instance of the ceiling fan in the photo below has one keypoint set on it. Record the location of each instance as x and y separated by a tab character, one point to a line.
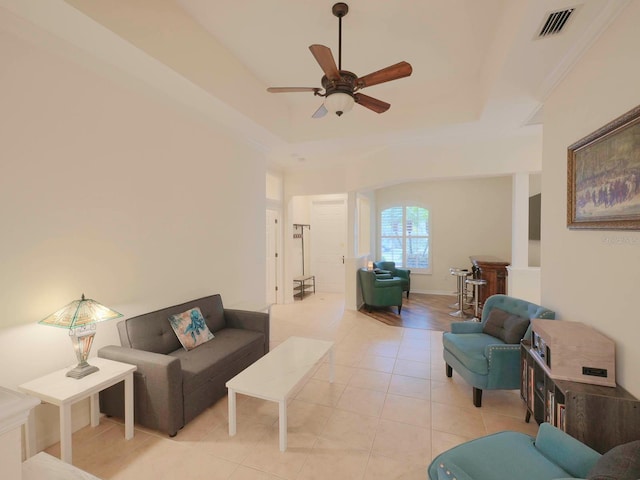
341	87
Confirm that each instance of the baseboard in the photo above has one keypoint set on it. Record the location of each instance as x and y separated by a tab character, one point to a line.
434	292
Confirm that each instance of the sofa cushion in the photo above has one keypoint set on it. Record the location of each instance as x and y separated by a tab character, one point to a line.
190	328
469	349
506	326
619	463
208	360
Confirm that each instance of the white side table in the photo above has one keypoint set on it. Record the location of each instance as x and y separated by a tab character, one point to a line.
63	391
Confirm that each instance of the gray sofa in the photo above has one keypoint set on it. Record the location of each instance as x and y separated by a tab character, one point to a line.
172	385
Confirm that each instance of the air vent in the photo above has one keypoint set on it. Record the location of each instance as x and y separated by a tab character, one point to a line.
555	22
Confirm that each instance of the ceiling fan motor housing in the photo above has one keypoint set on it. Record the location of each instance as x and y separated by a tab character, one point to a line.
345	84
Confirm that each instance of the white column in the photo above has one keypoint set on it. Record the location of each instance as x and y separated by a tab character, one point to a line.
520	221
523	281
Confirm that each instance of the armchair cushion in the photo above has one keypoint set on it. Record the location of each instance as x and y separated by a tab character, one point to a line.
619	463
508	327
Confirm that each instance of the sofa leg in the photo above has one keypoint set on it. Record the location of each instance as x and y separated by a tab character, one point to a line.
477	397
171	435
407	293
399	309
449	370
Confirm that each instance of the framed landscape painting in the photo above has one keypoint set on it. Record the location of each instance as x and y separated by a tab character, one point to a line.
603	183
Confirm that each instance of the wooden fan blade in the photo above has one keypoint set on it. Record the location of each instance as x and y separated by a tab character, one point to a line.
371	103
399	70
320	112
293	89
325	59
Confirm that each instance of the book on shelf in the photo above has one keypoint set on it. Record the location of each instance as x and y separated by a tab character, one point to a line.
561	417
531	392
551	407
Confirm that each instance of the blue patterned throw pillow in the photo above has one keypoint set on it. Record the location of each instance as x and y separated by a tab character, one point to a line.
190	328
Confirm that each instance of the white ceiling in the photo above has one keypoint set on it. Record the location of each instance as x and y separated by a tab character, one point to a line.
478	68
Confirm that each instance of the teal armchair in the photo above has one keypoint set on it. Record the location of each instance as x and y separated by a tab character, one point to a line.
485	359
380	290
552	454
402	273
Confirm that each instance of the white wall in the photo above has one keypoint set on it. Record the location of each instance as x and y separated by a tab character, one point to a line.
110	189
468	217
592	276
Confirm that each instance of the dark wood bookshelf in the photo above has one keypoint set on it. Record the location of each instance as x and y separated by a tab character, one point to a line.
600	417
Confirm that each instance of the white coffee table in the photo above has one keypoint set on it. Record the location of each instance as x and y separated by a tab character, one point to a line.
275	376
63	391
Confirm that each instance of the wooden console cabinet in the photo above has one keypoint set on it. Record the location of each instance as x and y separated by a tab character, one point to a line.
600	417
494	271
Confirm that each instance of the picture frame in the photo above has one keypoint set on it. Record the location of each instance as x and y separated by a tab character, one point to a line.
603	177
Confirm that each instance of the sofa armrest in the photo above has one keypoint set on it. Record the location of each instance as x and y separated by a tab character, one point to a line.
565	451
248	320
466	327
157	388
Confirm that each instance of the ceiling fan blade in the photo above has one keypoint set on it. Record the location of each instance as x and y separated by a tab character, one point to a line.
399	70
320	112
325	59
371	103
293	89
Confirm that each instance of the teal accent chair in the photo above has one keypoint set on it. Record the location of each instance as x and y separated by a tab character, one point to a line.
484	361
403	273
552	454
380	290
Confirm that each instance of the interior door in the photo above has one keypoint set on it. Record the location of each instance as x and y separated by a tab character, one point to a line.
272	257
328	244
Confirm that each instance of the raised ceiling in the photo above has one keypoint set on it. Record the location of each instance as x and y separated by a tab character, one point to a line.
478	67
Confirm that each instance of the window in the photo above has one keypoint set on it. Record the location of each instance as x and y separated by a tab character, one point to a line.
404	237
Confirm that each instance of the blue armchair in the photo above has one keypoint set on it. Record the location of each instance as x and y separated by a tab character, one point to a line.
402	273
487	353
507	455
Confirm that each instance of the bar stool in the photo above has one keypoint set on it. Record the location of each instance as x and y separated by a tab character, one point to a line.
476	283
462	274
452	271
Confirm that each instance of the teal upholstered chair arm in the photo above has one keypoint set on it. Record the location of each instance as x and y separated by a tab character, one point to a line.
402	273
386	282
501	352
466	327
504	366
451	471
565	451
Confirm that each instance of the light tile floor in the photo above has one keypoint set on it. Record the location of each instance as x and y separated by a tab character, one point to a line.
390	410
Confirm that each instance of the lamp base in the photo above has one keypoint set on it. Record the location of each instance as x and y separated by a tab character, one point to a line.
82	370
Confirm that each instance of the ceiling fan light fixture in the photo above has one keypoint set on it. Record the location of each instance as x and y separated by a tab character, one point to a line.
339	102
